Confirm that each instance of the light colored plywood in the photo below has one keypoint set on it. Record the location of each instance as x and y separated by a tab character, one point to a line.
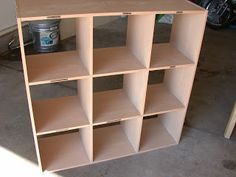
84	41
140	36
135	86
115	60
85	94
33	10
132	129
231	124
23	58
111	142
113	105
159	100
59	114
86	135
55	67
62	152
155	135
166	56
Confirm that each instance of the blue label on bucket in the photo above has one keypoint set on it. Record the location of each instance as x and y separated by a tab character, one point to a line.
48	38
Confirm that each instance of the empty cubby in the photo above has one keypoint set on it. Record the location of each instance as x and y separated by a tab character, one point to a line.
63	65
66	150
58	107
122	101
160	98
166	51
156	132
117	139
132	54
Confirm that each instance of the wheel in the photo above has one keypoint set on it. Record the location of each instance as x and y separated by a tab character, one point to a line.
219	13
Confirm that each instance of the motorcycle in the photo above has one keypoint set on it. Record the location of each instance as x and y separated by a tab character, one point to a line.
220	12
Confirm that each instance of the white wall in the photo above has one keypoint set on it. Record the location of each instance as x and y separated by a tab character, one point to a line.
7	14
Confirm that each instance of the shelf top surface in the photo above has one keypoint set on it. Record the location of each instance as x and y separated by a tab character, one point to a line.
44	9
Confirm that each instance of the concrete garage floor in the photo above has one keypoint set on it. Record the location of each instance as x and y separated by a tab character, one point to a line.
203	151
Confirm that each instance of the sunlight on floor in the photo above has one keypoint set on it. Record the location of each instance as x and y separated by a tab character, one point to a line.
14	165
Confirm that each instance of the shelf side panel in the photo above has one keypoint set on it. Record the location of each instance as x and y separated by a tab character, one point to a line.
85	93
187	35
140	35
132	129
135	86
86	135
21	41
84	41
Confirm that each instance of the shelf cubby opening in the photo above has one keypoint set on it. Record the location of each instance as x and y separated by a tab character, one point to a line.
117	139
127	52
73	61
155	133
121	100
67	150
159	98
62	106
165	54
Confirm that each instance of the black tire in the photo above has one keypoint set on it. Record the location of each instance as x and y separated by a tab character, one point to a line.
219	13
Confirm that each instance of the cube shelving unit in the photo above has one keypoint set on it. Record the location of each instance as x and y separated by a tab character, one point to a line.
91	127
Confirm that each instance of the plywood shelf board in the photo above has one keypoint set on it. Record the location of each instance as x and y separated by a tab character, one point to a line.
55	67
62	152
112	106
165	56
115	60
33	10
59	114
155	135
160	100
111	142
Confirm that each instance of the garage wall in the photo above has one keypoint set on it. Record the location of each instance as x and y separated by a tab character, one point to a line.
7	14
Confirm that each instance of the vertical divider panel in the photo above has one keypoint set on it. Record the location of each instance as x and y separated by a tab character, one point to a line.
140	36
187	34
21	40
84	41
84	44
132	129
86	134
139	40
135	86
85	93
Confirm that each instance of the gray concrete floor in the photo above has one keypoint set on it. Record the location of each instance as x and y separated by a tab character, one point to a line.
202	151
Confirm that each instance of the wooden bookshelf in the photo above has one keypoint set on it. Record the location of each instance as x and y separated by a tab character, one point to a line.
91	127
